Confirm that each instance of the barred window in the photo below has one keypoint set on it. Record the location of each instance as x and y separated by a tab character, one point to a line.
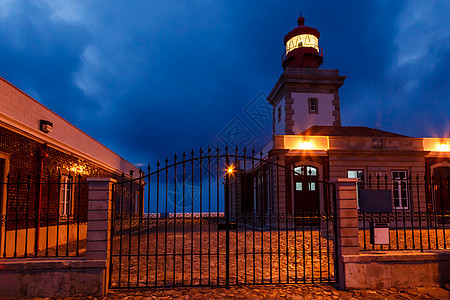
357	174
400	189
65	198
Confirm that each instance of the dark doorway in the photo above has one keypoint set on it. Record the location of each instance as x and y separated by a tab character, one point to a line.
2	182
2	187
306	194
441	189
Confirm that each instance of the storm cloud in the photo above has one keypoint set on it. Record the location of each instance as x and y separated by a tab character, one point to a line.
151	78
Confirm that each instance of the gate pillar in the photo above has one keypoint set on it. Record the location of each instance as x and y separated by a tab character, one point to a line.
100	207
347	239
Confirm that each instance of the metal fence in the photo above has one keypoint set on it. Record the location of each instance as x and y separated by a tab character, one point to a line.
219	218
420	219
43	216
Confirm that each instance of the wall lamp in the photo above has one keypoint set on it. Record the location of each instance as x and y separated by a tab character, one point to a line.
45	126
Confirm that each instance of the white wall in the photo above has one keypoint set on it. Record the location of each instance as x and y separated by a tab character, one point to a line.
303	119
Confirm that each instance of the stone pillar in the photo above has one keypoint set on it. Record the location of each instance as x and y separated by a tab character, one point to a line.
99	218
347	224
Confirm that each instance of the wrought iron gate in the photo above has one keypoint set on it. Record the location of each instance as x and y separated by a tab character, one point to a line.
220	219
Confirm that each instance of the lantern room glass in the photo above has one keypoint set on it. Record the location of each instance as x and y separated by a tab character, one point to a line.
302	40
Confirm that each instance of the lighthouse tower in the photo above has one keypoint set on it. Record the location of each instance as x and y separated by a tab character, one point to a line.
304	95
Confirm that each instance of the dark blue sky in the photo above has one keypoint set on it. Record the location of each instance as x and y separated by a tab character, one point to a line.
151	78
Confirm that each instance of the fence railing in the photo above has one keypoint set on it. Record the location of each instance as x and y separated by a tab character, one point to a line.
43	216
420	219
222	218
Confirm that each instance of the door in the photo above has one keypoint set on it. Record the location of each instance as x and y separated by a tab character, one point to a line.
441	191
2	188
306	194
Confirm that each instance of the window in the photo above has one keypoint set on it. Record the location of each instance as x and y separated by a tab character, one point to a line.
65	198
358	174
268	190
310	171
254	194
400	189
313	105
279	113
2	172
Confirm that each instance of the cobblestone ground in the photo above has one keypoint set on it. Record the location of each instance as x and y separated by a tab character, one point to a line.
197	257
400	239
302	291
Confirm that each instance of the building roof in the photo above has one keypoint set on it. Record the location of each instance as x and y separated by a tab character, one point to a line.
348	131
21	113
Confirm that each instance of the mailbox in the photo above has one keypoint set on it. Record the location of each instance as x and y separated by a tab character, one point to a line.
379	233
377	201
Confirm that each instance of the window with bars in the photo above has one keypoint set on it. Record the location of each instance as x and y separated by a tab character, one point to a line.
400	189
65	198
357	174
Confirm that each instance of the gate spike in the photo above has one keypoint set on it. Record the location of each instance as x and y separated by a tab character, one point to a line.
261	153
236	149
253	151
175	157
158	164
148	168
192	152
245	150
184	155
226	148
200	151
209	150
217	149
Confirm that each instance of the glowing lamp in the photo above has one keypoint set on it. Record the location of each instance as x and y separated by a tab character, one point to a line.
306	145
230	170
443	147
78	169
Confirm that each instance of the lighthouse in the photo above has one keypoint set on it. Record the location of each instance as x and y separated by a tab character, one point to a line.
304	95
302	47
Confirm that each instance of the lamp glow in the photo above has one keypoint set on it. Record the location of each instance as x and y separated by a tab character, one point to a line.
306	145
443	147
230	170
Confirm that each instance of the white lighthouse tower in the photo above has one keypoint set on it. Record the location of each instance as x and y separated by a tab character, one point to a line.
304	95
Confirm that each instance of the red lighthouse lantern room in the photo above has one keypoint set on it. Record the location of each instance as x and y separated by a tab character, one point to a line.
302	47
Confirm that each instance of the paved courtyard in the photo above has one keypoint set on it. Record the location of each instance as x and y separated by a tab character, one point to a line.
295	292
193	254
167	257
